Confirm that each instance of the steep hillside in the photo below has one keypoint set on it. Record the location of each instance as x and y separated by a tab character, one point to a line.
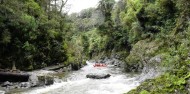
148	35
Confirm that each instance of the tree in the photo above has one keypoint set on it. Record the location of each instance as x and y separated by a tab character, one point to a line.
32	34
119	7
63	3
106	6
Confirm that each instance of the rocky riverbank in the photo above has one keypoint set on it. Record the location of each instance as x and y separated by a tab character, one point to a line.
46	76
24	80
18	80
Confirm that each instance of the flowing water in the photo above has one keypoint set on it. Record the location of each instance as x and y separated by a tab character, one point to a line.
77	83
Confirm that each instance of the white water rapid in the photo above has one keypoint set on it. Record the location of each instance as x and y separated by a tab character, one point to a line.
77	83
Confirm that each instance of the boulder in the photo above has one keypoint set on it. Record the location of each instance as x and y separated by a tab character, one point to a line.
33	80
45	80
75	66
98	76
40	80
6	84
25	85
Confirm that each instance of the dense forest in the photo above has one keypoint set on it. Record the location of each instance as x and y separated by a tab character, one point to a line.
32	34
154	33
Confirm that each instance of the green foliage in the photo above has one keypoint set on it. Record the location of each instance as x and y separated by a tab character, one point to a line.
96	42
84	20
173	82
139	30
106	6
86	13
141	49
33	8
35	34
165	84
6	37
144	92
85	43
163	23
183	5
29	37
135	32
119	7
28	23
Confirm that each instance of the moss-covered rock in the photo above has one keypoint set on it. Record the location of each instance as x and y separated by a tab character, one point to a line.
140	54
174	82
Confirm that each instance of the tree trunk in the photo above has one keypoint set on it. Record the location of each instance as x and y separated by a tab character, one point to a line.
55	5
62	5
48	11
13	66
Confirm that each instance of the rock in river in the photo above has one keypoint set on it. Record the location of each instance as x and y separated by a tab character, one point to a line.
98	76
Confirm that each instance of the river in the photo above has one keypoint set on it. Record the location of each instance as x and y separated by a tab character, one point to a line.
77	83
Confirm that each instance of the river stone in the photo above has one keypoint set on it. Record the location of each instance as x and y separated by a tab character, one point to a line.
45	80
75	66
33	80
6	84
98	76
49	80
25	85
